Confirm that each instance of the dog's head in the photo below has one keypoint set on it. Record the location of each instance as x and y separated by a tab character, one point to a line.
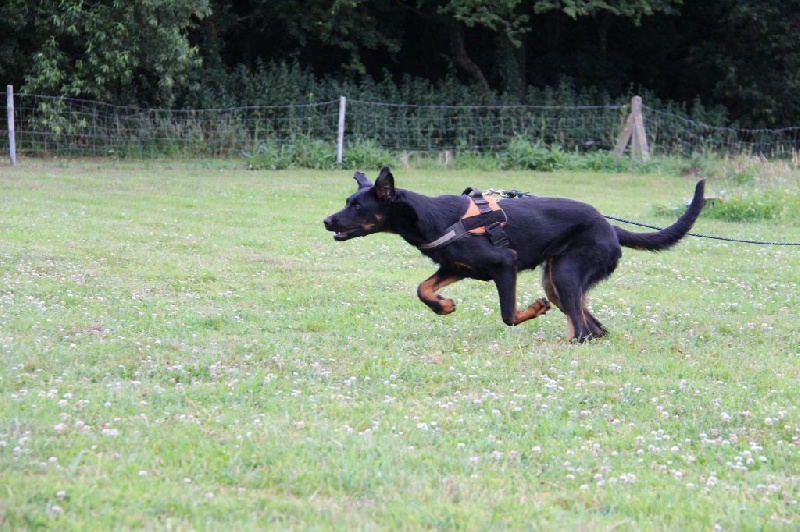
367	211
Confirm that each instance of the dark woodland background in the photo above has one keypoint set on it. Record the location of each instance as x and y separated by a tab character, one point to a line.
726	61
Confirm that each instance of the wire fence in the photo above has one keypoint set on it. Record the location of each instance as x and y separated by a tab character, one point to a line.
70	127
57	126
674	134
401	127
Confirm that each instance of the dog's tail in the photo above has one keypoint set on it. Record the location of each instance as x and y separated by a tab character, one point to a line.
669	236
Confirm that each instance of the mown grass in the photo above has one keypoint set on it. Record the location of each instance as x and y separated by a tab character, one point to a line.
186	348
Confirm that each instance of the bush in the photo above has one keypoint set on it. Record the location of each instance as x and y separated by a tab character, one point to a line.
752	207
603	161
316	155
364	154
300	153
522	154
270	157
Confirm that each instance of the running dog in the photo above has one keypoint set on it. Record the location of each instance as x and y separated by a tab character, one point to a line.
470	236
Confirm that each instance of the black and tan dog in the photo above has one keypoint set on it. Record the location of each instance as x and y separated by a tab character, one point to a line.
472	237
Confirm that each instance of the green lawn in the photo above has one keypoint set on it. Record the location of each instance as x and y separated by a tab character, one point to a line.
185	347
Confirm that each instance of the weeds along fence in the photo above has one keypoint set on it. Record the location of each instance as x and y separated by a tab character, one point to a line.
57	126
49	126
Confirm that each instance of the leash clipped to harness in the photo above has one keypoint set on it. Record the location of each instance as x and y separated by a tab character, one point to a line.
482	217
507	194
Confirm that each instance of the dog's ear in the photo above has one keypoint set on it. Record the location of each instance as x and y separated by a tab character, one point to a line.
362	180
384	185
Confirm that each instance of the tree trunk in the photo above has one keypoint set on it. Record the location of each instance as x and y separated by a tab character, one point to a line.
462	58
604	21
511	66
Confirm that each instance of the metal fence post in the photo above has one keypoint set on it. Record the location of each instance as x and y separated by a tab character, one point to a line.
12	148
340	138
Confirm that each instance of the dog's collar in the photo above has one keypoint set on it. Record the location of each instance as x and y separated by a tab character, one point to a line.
482	217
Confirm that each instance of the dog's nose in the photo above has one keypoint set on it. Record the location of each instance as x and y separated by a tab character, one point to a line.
328	222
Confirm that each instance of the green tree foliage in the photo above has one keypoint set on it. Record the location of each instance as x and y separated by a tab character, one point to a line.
749	57
15	44
338	30
631	9
113	50
604	13
744	55
510	21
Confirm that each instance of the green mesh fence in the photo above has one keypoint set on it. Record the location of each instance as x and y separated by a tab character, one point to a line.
482	129
71	127
673	134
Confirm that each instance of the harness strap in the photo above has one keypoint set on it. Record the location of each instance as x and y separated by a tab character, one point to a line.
455	232
483	217
477	198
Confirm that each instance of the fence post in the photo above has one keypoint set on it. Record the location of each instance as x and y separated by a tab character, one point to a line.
12	148
634	133
340	137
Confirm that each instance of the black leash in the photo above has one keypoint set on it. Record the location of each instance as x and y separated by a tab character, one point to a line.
700	235
517	194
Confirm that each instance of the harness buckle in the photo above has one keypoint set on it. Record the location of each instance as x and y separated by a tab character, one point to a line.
497	235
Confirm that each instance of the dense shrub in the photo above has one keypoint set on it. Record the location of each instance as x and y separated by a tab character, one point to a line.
365	154
749	205
522	154
282	83
317	155
302	153
754	207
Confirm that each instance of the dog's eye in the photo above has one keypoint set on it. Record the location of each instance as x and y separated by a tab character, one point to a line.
356	205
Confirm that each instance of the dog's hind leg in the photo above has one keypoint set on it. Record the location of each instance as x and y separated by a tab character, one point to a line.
591	317
564	283
426	291
549	287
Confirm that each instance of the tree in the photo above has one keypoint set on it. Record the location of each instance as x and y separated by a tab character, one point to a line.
339	30
15	45
604	12
306	29
749	59
504	18
511	22
134	52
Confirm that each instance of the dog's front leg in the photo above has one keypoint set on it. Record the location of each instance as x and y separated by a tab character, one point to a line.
426	291
505	279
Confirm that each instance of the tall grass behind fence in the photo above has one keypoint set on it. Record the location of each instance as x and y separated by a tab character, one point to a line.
70	127
674	134
426	128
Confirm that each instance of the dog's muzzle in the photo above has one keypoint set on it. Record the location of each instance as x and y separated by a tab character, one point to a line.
341	233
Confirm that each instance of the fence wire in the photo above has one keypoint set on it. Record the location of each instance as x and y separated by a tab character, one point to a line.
674	134
401	127
70	127
56	126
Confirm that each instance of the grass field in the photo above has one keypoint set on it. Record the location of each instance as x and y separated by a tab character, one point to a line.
185	347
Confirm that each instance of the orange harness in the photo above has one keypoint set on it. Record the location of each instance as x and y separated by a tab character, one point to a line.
474	210
483	216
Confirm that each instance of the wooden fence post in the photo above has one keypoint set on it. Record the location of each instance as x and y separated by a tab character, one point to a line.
340	137
634	133
12	148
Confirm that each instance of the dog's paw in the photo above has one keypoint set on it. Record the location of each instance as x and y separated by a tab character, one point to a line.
444	306
540	307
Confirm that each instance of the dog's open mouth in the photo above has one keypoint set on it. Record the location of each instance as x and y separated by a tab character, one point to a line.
341	236
343	232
